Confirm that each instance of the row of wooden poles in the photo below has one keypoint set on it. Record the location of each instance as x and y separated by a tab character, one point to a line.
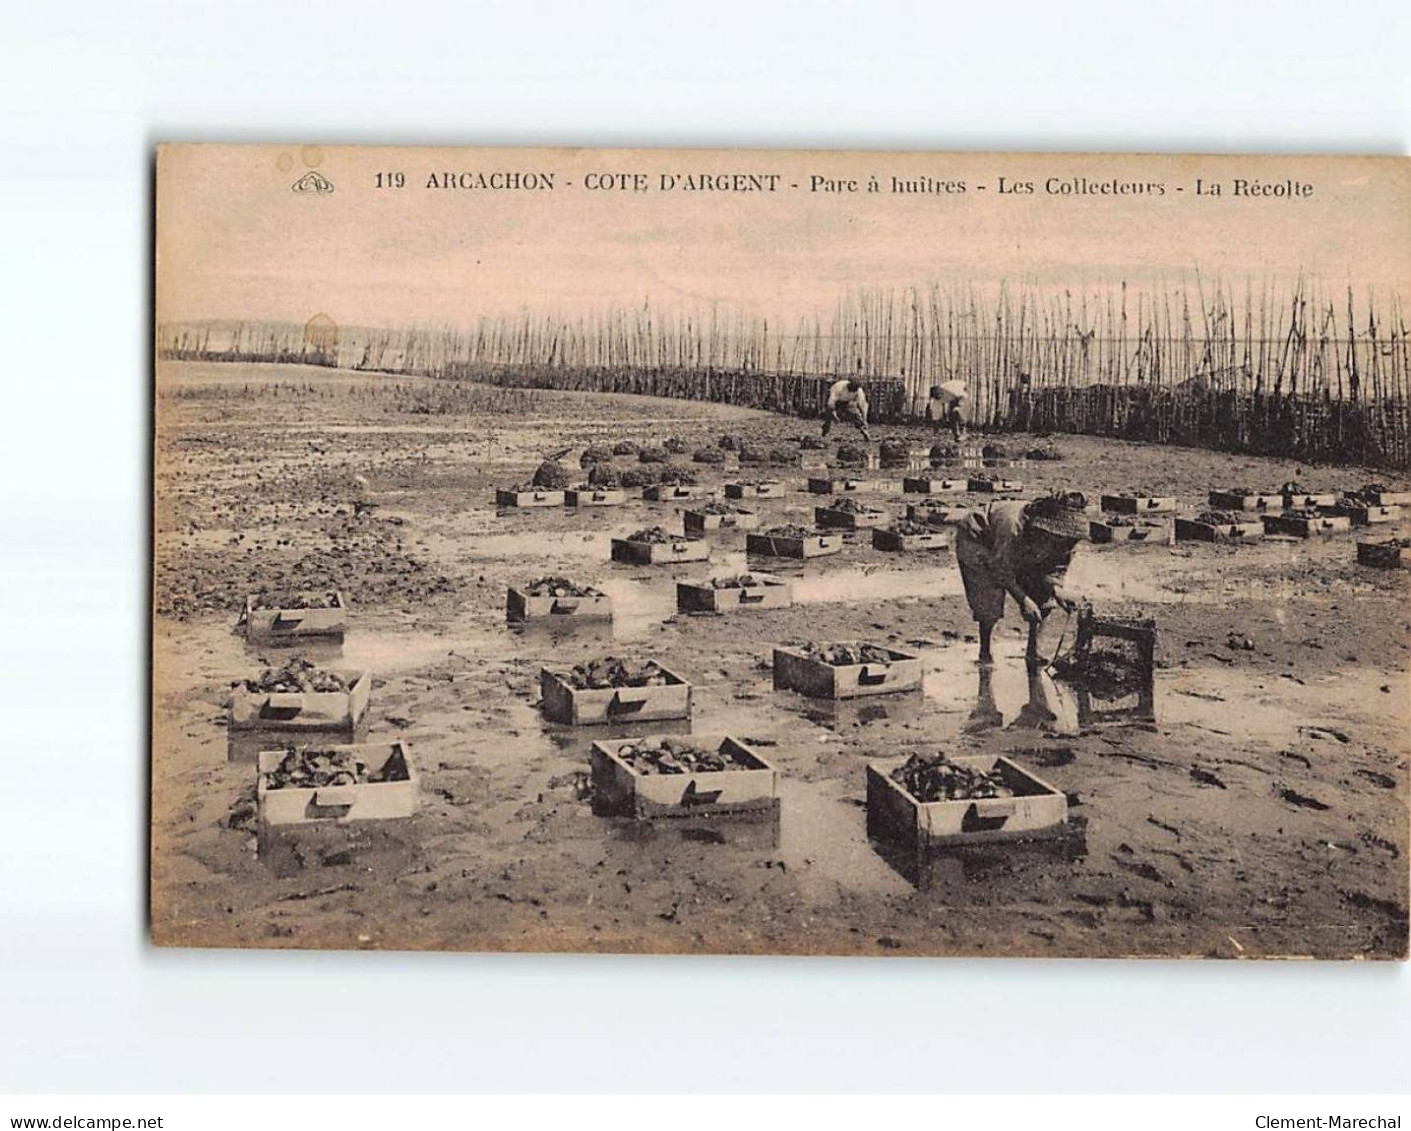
1300	372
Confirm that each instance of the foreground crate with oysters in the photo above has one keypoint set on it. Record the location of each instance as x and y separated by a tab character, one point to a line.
1024	806
284	706
296	619
359	782
666	696
721	595
672	777
846	670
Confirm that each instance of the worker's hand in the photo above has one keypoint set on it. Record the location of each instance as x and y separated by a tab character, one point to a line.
1067	601
1032	613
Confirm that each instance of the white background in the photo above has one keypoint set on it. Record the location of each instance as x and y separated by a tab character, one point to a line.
89	88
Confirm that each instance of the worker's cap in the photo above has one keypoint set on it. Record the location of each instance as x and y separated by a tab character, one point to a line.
1062	514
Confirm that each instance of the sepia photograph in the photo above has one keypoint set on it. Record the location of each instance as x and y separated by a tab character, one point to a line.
780	552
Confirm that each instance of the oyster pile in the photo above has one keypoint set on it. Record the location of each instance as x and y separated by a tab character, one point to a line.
612	671
1217	518
305	768
559	587
911	526
788	530
296	675
852	506
741	581
296	601
848	655
552	475
717	508
937	778
653	534
675	756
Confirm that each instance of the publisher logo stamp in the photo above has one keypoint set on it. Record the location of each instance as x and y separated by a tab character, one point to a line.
315	183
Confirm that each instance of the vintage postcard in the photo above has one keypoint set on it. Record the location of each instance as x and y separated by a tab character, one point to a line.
781	552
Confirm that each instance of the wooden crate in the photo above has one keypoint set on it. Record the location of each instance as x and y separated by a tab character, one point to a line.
1009	462
1302	527
1391	498
893	541
894	815
1138	504
301	710
776	546
592	706
674	492
1188	530
699	522
767	489
520	607
295	626
958	463
533	498
796	671
1303	501
771	593
936	516
829	519
841	485
368	801
994	486
1103	532
595	497
930	485
1234	501
1367	514
1383	555
657	553
619	791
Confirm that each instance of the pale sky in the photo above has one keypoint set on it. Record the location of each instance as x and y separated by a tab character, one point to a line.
234	242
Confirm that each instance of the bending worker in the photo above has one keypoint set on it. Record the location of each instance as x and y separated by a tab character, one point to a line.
944	407
1022	550
846	402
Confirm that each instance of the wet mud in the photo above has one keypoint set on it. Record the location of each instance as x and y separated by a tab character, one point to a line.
1261	811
